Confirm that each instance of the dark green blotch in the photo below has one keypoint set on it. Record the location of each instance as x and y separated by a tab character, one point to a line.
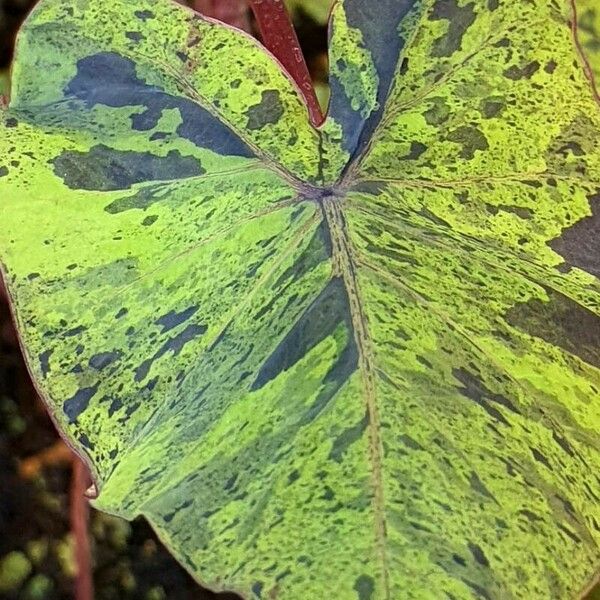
75	331
172	319
112	80
478	554
515	73
158	135
267	112
144	15
115	405
44	358
134	36
372	188
521	211
149	220
560	322
142	199
492	107
459	560
460	18
318	322
438	113
3	171
103	359
75	405
478	486
365	587
480	592
470	138
415	152
174	344
474	389
571	147
105	169
409	442
539	457
84	440
347	438
318	251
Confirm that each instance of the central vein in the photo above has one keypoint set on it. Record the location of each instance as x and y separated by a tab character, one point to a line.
344	267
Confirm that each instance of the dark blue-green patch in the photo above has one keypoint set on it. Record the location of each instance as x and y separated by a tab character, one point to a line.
478	554
579	245
44	359
475	389
76	404
438	111
267	112
173	318
560	322
105	169
144	15
378	23
109	79
174	345
364	587
329	314
515	72
459	19
348	437
470	138
104	359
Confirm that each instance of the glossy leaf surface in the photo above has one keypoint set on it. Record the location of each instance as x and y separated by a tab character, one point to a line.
359	361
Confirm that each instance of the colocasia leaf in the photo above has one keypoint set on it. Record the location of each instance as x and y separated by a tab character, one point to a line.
354	362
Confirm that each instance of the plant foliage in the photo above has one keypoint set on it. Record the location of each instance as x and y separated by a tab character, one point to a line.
354	361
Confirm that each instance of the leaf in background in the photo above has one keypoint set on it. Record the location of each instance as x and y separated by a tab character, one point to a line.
316	9
588	30
4	82
359	361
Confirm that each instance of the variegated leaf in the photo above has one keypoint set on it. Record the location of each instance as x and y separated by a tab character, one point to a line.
359	361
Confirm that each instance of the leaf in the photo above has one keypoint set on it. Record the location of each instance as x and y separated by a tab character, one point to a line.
4	82
317	9
359	361
588	31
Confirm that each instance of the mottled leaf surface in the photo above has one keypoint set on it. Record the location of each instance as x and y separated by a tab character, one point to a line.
357	362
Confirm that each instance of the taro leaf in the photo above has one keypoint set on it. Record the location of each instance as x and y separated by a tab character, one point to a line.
355	362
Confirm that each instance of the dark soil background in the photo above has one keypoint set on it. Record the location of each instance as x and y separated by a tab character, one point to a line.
36	468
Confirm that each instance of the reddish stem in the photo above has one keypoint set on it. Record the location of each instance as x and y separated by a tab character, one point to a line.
232	12
84	588
279	37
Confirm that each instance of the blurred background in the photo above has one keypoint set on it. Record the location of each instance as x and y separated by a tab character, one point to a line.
38	483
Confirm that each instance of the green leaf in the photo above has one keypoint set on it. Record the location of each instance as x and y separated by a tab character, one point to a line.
355	362
4	82
588	31
317	9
